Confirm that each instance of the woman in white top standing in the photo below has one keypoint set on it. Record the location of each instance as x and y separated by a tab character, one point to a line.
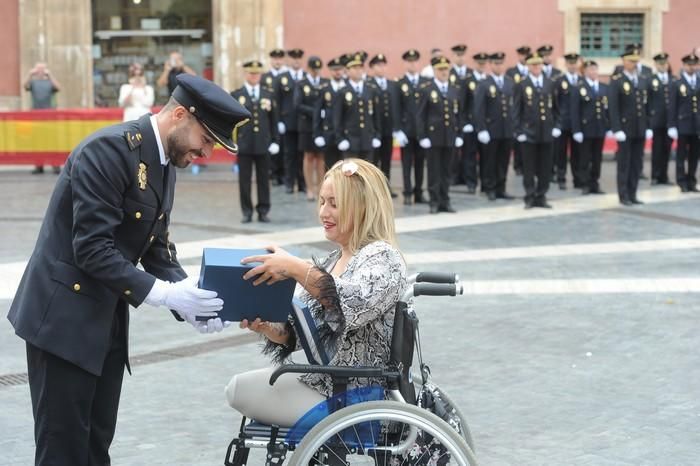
137	95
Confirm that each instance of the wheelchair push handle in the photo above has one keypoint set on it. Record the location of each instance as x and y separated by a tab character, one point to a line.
436	277
437	289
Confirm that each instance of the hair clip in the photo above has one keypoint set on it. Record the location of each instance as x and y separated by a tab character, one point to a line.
349	168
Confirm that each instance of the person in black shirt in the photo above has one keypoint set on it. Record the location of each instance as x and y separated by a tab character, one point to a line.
172	67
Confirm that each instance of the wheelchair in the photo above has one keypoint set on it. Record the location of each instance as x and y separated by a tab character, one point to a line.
408	422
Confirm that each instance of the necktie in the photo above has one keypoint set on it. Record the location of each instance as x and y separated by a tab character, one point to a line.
444	90
499	81
634	81
255	94
595	88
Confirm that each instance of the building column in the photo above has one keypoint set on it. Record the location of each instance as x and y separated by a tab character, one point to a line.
243	30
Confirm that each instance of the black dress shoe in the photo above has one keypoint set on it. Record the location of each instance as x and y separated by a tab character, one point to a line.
597	191
407	200
694	189
636	201
263	218
393	194
505	196
642	176
247	219
433	209
492	196
684	189
37	171
626	202
586	191
544	204
420	200
449	209
529	205
471	189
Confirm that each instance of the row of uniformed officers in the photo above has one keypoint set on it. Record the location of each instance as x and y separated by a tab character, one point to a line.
465	122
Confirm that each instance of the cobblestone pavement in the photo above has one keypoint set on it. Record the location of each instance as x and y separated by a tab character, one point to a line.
575	342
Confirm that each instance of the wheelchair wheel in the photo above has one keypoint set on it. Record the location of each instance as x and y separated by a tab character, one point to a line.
452	415
382	433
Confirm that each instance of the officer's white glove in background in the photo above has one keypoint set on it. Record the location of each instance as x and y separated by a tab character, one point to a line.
425	143
521	138
468	128
320	141
376	143
281	128
459	142
185	298
648	134
400	137
274	148
556	132
214	325
672	133
578	137
343	145
484	137
620	136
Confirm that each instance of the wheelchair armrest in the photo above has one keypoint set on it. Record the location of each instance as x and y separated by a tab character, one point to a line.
334	371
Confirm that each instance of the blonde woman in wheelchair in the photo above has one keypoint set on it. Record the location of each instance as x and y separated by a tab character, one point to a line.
351	294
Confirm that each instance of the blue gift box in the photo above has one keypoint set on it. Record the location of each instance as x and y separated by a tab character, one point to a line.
223	272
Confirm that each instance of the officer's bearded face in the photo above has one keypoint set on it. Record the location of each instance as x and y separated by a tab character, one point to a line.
337	73
188	141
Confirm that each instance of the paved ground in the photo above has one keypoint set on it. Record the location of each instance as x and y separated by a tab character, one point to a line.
575	343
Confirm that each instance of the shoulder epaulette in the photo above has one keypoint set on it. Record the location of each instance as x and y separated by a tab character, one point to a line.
133	139
615	76
425	84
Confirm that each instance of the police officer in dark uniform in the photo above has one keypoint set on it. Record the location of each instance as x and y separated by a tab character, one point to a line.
110	211
287	127
464	164
269	80
406	102
659	100
472	147
642	70
438	125
565	86
493	123
684	123
386	90
256	142
324	134
517	73
628	121
355	118
536	124
589	123
548	70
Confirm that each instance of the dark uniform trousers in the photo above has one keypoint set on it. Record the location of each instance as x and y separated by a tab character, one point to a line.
537	162
413	158
496	156
590	159
660	154
292	161
630	158
687	153
75	412
382	157
261	163
332	155
439	159
566	148
467	166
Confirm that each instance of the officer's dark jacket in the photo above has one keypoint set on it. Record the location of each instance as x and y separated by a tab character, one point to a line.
493	108
468	92
109	211
405	105
385	104
659	101
355	117
683	106
438	117
306	97
554	74
564	93
589	110
515	74
254	137
628	105
535	111
323	115
286	87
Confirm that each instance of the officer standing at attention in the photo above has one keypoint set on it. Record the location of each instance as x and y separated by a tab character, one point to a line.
684	123
386	92
324	135
493	123
406	103
589	123
471	142
355	117
256	142
629	122
463	169
565	86
110	211
548	70
438	124
536	124
270	81
517	73
287	126
306	98
659	100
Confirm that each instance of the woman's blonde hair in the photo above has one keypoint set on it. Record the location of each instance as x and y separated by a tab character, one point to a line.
363	201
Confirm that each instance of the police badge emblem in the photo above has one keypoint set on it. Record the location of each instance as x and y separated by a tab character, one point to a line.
564	84
626	87
584	92
433	94
404	88
516	78
492	90
348	96
241	100
528	92
142	177
328	96
683	89
307	90
472	85
284	80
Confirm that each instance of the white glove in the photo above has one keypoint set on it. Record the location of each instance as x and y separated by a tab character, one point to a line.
578	137
672	133
484	137
401	138
320	141
209	326
343	145
323	113
459	142
425	143
281	128
521	138
556	132
620	136
274	148
468	128
185	298
376	143
648	134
